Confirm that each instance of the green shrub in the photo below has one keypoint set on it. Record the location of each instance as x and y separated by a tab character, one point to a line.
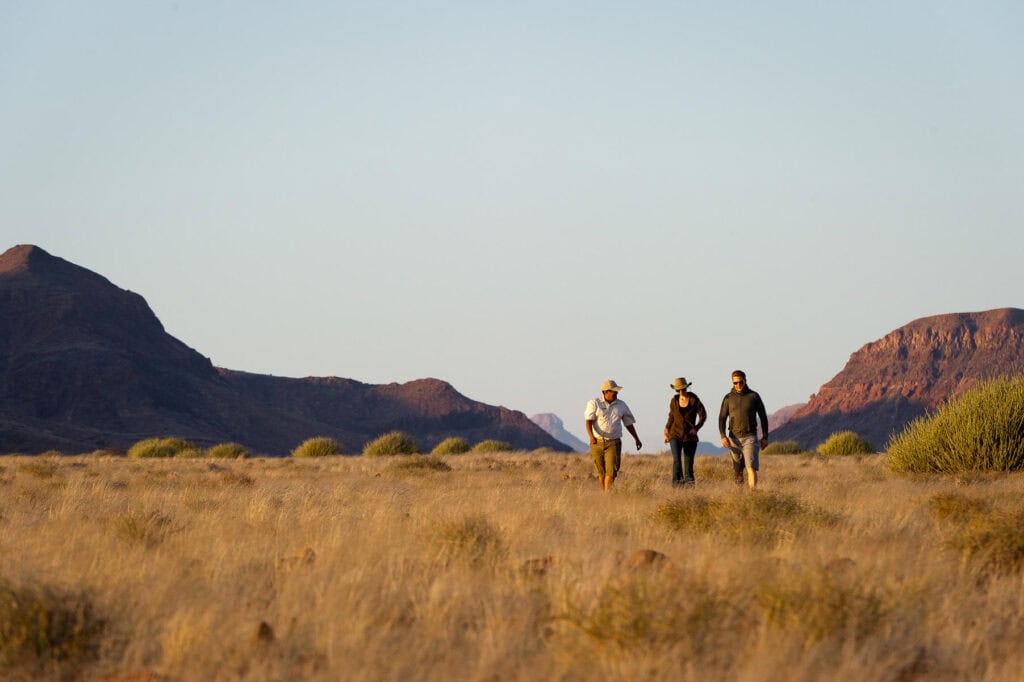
451	446
229	451
783	447
40	626
159	447
983	430
317	447
493	446
394	443
845	443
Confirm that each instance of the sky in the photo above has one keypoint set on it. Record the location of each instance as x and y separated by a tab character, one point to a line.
525	198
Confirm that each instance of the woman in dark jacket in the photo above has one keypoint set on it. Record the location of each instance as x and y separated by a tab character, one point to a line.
686	414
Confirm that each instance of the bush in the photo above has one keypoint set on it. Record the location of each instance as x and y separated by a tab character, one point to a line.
229	451
493	446
159	447
39	626
420	465
783	447
394	443
451	446
317	447
845	443
983	430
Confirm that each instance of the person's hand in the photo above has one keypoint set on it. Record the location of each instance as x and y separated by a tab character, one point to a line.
593	440
638	445
764	442
666	437
725	442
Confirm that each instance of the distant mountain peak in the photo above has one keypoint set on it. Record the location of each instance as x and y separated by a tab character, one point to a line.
22	257
552	423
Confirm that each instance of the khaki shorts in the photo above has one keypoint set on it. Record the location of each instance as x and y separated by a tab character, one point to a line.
607	455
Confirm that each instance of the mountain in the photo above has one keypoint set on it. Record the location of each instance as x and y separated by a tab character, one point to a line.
891	381
783	415
552	424
85	364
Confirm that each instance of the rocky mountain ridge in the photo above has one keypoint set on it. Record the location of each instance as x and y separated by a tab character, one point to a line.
85	364
891	381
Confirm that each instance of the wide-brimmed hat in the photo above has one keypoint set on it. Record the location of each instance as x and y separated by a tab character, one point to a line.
681	383
610	385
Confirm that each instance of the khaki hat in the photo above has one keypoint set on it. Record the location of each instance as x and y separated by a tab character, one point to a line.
610	385
681	383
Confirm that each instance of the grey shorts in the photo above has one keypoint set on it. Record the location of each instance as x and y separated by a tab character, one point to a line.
745	450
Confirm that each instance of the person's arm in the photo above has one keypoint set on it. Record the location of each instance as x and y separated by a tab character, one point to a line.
762	414
632	431
590	416
722	414
702	416
671	416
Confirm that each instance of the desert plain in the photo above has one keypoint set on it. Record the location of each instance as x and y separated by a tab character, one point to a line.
505	567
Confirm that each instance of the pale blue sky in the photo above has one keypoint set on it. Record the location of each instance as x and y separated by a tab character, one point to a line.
525	198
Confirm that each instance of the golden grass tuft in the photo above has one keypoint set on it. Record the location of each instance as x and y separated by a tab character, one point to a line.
761	516
44	631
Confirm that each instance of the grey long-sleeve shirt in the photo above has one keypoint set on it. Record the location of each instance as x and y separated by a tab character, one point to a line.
741	408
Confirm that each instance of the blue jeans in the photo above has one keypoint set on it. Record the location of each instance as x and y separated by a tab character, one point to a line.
682	467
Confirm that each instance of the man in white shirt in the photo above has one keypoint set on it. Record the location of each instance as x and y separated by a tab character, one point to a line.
605	417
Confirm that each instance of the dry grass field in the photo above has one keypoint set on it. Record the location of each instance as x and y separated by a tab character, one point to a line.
505	567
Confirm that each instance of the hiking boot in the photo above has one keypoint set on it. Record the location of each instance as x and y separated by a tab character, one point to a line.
738	477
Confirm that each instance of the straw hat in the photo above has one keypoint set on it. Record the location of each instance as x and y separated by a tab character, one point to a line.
681	384
610	385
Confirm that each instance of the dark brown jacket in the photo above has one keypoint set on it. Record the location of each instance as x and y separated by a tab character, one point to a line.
684	422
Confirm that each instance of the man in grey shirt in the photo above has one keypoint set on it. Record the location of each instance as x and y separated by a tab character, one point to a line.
741	408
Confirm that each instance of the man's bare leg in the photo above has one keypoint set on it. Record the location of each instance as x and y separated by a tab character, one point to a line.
751	477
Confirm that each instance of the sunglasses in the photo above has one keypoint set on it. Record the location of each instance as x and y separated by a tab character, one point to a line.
738	383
